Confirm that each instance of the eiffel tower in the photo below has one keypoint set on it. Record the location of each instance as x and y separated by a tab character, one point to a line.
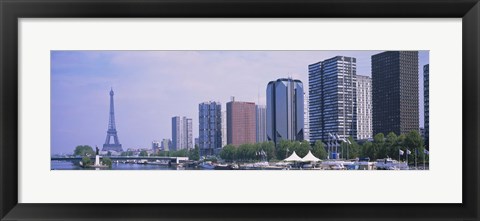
112	131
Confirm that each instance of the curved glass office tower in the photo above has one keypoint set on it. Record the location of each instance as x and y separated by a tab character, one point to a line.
285	110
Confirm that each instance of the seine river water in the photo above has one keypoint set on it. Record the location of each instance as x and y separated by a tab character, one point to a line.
65	165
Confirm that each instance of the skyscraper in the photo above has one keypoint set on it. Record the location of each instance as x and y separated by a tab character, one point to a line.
210	127
285	110
333	98
224	128
395	92
364	107
241	124
306	118
156	145
426	100
166	144
261	123
181	133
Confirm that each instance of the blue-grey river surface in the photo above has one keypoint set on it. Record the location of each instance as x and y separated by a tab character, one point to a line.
65	165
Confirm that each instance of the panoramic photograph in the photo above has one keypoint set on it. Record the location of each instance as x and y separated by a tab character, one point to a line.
239	110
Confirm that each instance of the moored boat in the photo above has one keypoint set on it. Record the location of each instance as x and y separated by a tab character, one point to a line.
390	164
207	166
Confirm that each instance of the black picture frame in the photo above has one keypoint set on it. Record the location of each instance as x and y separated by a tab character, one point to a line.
12	10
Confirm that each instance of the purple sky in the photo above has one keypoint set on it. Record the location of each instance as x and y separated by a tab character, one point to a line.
153	86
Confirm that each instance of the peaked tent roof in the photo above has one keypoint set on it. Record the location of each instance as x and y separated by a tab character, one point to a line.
293	157
310	158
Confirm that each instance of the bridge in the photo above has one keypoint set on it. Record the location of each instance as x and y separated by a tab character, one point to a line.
121	158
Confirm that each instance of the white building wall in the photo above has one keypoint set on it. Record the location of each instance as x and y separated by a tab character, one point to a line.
364	107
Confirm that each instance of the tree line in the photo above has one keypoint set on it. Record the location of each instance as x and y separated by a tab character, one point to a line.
381	147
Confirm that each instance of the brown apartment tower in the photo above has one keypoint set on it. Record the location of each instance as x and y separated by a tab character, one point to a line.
395	92
241	124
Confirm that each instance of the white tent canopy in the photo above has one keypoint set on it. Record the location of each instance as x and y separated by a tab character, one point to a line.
310	158
293	157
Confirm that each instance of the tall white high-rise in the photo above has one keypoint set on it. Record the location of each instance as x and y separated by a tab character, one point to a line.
224	128
364	107
306	118
166	144
182	133
332	98
261	123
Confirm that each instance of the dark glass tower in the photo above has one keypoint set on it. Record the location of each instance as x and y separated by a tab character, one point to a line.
426	108
395	92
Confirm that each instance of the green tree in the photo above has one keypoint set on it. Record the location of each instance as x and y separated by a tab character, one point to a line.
302	148
283	149
353	149
86	161
162	153
242	153
378	147
269	148
391	145
251	152
367	150
107	161
319	150
83	150
247	152
194	154
414	142
180	153
143	153
228	153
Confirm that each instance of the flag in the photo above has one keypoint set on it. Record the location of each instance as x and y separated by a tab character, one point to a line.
425	151
409	152
400	152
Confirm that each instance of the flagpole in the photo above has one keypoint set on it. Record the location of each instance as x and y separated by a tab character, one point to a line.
424	159
407	158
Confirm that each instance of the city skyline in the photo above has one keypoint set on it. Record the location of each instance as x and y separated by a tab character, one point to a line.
152	86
